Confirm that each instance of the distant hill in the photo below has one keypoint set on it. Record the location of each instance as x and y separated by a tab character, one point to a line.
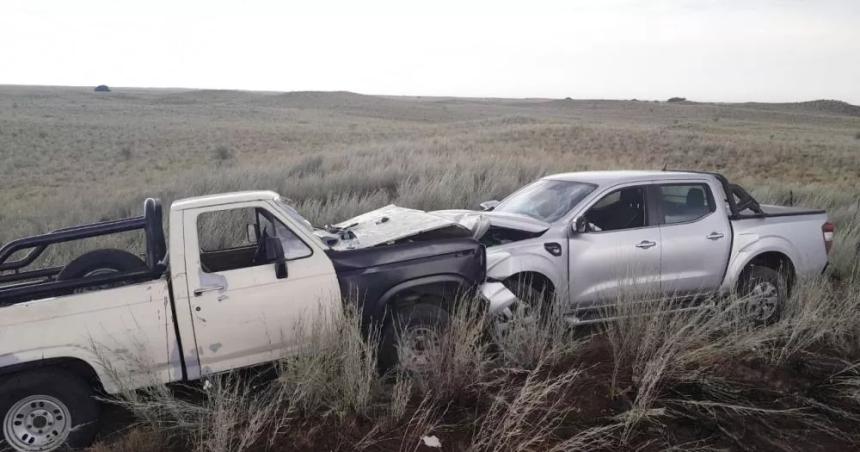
836	107
382	107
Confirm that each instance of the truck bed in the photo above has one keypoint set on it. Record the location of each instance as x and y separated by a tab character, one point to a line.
81	326
796	232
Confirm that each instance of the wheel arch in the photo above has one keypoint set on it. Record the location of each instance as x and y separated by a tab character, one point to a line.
76	366
448	287
503	265
536	279
776	260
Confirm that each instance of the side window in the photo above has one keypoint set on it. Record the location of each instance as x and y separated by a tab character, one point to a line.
621	209
234	238
223	230
683	203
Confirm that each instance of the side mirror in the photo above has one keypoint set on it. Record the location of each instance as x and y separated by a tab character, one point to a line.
252	233
489	205
275	253
580	225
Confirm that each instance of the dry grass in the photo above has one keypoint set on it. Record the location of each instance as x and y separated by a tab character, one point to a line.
657	380
524	341
456	359
639	382
71	157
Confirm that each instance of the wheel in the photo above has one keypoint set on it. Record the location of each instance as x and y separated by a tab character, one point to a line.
45	410
409	334
533	296
766	291
100	262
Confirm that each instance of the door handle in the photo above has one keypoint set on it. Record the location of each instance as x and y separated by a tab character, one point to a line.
645	244
201	290
715	236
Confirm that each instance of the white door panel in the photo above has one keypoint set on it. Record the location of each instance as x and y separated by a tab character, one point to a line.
247	316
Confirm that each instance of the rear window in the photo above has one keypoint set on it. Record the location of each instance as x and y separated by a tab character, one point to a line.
683	203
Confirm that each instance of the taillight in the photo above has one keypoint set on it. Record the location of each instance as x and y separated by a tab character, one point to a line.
827	230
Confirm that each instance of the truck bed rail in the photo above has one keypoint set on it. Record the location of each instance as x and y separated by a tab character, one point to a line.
42	282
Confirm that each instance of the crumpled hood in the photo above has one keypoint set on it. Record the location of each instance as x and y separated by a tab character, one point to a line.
384	225
392	223
500	219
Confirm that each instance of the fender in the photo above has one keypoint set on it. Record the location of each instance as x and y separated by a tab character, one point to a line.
434	283
749	246
502	264
123	362
68	356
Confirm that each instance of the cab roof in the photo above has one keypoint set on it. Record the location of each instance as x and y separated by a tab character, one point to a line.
224	198
616	177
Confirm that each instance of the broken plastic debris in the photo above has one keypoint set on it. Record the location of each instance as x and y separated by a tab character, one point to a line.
206	385
432	441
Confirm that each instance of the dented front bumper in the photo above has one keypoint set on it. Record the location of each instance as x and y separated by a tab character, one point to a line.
498	296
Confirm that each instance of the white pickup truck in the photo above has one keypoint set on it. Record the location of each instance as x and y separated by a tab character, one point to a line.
244	269
592	239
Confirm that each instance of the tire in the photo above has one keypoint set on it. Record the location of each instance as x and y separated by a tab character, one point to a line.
101	261
770	287
421	317
50	398
530	293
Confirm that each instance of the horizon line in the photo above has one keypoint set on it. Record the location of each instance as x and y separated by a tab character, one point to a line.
269	91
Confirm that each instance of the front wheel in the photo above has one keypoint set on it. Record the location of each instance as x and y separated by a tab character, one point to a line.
534	299
410	335
45	410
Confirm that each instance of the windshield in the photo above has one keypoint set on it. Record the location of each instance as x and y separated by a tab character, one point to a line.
546	200
295	215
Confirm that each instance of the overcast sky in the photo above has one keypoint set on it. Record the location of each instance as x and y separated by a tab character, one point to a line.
720	50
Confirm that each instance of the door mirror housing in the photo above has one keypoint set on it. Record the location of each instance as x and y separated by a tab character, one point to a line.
489	205
579	225
275	253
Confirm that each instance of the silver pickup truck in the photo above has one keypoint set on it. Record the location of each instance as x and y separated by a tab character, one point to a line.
590	239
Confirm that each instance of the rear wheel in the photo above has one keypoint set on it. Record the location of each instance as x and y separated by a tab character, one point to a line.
46	410
765	291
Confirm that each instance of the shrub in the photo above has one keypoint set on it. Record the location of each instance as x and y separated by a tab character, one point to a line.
125	152
222	153
677	99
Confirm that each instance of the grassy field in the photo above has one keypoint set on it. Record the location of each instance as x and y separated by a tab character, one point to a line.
690	382
71	155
